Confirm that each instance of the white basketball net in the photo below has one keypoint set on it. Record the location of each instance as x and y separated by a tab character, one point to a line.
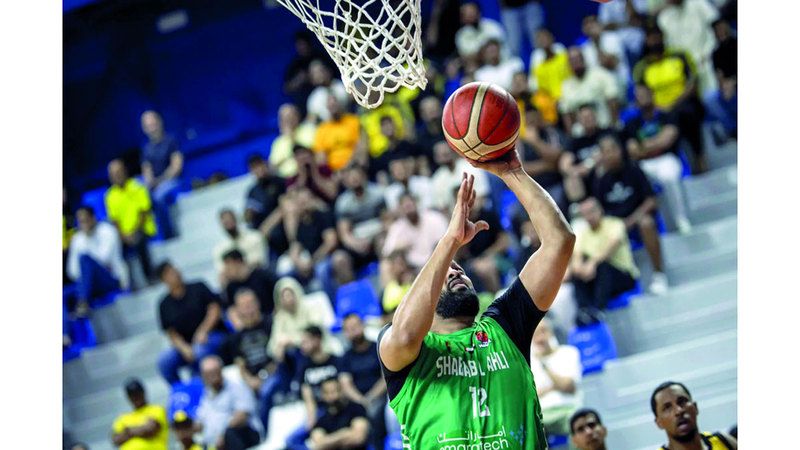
376	44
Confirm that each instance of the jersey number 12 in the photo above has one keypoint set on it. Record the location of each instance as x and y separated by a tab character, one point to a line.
479	404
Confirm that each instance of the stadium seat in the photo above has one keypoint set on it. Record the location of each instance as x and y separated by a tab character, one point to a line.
356	297
624	299
596	345
557	440
185	397
96	199
507	201
82	335
368	270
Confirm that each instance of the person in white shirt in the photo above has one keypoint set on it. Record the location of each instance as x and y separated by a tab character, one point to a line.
326	85
250	242
401	169
95	259
557	371
588	85
494	68
447	178
623	18
605	49
475	31
281	154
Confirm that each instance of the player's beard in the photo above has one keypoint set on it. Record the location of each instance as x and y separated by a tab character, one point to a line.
460	303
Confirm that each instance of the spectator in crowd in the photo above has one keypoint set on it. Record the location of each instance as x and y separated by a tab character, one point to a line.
542	147
429	127
338	136
249	349
624	192
296	78
191	315
475	31
416	230
447	178
227	410
518	17
358	210
95	260
440	34
605	48
676	413
249	242
361	378
315	365
315	175
602	262
79	446
687	27
587	431
393	143
557	371
184	428
343	424
653	141
496	69
325	87
548	71
261	205
130	210
624	18
592	85
292	317
239	275
144	427
162	165
721	104
281	154
311	233
401	169
576	164
485	255
396	277
672	78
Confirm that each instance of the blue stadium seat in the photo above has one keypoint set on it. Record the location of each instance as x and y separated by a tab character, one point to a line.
393	442
96	199
358	297
557	440
368	270
105	300
596	345
185	397
82	335
624	299
507	202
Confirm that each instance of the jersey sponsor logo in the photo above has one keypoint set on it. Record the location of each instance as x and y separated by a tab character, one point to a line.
483	339
473	441
459	367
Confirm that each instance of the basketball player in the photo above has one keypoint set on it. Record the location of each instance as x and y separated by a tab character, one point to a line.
676	414
459	382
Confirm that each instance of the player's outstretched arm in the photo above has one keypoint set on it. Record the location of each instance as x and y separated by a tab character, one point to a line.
544	271
412	320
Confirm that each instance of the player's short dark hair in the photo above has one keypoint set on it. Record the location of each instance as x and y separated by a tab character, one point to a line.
583	412
314	330
86	208
663	386
134	386
233	255
254	159
161	268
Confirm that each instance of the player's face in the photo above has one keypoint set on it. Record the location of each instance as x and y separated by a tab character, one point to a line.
589	434
676	413
458	297
457	279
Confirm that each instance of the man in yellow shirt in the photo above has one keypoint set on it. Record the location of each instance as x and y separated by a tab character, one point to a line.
144	428
130	210
602	262
337	139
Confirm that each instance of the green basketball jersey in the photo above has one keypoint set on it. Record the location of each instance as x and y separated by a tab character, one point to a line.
470	390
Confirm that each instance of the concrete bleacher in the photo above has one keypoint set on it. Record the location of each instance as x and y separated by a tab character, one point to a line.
687	334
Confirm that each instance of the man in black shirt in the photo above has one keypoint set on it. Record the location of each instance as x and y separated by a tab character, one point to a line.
262	199
542	147
314	366
577	163
485	255
190	314
240	275
344	423
623	191
361	379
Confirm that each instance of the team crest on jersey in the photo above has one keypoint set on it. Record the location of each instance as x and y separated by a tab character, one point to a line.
483	339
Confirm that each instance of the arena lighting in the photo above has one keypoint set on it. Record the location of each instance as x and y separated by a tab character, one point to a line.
172	21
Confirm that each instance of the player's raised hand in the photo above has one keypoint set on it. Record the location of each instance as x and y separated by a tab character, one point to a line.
461	229
499	166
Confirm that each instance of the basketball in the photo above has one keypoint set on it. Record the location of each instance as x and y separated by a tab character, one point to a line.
481	121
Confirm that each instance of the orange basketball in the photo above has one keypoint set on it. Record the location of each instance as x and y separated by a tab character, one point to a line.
481	121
